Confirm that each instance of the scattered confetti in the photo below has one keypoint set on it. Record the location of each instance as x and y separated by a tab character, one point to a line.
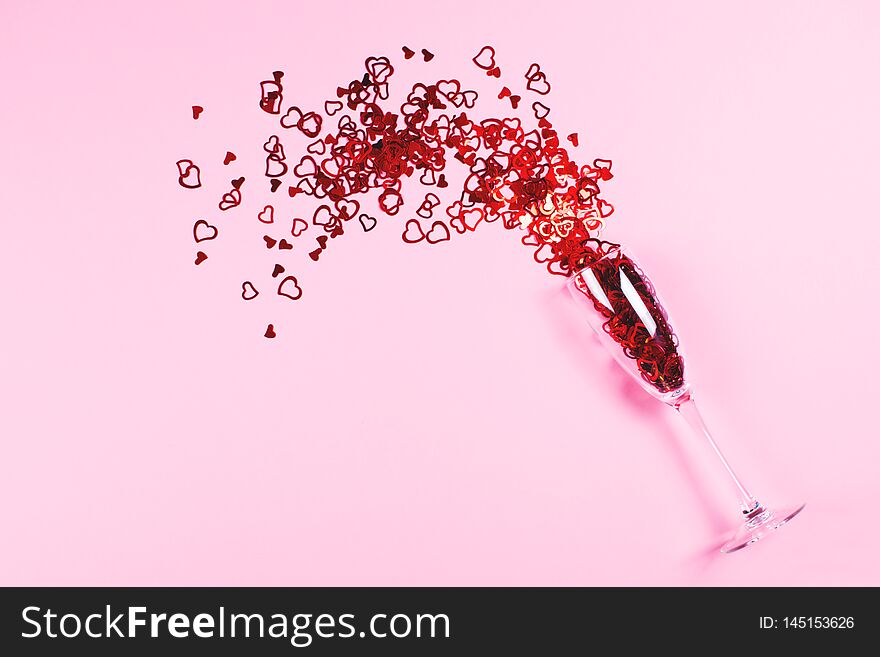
377	151
203	231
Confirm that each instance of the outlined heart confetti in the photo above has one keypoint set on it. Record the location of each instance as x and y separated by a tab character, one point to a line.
433	157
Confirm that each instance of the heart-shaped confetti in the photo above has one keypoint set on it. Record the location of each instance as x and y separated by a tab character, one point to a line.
485	59
331	107
503	168
438	233
267	215
299	227
306	167
538	84
230	200
367	222
317	147
289	287
203	231
248	291
413	232
188	174
291	117
275	167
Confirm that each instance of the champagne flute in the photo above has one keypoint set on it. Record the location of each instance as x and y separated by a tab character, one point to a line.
622	306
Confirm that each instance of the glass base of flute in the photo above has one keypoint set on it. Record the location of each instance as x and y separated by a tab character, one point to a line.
622	306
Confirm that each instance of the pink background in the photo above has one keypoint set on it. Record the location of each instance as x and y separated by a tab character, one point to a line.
434	415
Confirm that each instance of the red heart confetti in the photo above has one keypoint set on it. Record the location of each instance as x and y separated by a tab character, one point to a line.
379	152
197	111
289	287
203	231
201	256
248	291
267	215
540	109
230	199
299	227
270	331
413	232
271	94
189	175
485	59
438	233
537	80
292	117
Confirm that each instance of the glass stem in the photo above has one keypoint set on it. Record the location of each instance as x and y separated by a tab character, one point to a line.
689	411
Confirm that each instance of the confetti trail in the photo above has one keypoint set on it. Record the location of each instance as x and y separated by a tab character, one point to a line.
365	147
